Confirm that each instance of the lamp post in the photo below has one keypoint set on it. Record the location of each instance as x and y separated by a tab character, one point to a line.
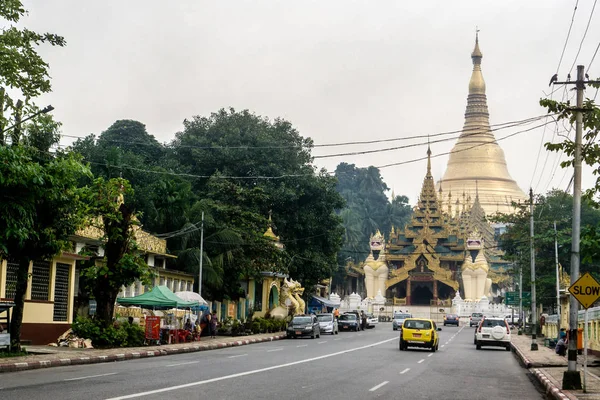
44	110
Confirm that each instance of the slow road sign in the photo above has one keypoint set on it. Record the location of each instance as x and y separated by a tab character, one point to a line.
586	290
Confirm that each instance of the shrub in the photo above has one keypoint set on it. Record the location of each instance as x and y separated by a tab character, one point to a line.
255	327
119	335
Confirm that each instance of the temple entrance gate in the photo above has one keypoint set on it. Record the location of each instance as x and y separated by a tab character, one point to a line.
422	294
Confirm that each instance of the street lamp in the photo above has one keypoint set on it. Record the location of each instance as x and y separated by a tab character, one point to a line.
44	110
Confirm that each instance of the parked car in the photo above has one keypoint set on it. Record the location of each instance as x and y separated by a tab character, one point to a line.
349	322
399	320
512	321
304	325
327	323
372	321
357	317
493	332
419	332
451	319
475	319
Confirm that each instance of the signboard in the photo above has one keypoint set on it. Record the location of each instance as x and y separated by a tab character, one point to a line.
231	310
512	299
586	290
4	339
152	328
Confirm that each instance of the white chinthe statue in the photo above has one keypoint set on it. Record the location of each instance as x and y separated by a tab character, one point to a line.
375	267
474	272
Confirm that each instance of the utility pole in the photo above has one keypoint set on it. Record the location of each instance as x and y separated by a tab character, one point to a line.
557	279
521	319
534	345
201	255
571	377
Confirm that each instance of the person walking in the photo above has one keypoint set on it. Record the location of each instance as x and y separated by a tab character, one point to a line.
213	325
336	313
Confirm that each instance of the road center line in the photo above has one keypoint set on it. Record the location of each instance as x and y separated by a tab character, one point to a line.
302	345
442	345
337	339
251	372
183	363
430	355
420	361
404	371
374	388
90	376
279	349
238	355
324	341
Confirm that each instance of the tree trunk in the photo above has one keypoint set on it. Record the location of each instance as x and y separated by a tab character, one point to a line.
17	314
105	305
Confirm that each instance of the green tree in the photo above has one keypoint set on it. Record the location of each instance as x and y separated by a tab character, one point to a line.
556	206
122	263
40	207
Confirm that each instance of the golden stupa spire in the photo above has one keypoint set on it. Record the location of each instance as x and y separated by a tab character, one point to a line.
476	156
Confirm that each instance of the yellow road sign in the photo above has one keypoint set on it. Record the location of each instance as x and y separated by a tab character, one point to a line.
586	290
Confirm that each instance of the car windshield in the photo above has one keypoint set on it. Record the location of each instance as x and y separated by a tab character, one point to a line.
401	316
301	320
490	323
478	315
347	317
370	316
451	316
414	324
324	317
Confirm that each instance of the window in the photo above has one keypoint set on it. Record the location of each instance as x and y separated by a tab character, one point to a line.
40	281
61	292
490	323
11	279
176	285
417	324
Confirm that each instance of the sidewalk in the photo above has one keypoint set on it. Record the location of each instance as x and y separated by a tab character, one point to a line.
47	356
548	367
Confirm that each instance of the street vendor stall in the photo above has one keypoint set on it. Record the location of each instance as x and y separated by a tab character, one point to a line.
160	298
5	324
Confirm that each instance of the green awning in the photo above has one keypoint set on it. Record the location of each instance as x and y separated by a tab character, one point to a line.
158	297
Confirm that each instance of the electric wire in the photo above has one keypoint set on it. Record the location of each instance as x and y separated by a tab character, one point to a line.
568	35
584	35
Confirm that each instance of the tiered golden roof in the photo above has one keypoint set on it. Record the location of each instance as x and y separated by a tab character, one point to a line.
476	156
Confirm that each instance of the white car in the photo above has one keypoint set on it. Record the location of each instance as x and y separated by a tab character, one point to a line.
493	332
372	321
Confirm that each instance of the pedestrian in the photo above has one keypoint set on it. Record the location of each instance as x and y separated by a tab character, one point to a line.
336	313
188	325
561	345
213	325
363	320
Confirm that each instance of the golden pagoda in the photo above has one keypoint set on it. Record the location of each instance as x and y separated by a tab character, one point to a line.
477	157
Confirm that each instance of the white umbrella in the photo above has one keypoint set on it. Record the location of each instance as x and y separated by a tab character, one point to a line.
191	296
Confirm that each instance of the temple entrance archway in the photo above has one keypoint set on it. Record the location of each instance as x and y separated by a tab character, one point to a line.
445	292
421	295
273	297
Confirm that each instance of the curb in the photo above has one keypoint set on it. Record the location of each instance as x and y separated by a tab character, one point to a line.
526	362
23	366
550	387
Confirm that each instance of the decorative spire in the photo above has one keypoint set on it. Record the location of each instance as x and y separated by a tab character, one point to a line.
428	159
428	197
450	202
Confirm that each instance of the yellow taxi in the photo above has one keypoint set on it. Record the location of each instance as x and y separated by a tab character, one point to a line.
419	332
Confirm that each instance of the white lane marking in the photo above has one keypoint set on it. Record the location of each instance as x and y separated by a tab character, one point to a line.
90	376
374	388
251	372
404	371
302	345
420	361
442	345
183	363
430	355
279	349
324	341
238	355
337	339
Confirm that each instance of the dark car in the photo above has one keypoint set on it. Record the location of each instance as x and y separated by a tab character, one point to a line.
304	325
348	322
451	319
358	317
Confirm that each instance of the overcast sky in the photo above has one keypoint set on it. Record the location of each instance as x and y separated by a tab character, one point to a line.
338	70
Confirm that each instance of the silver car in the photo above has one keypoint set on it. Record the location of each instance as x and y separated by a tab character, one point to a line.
328	323
399	320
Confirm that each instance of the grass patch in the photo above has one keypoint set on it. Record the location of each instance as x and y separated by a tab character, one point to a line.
8	354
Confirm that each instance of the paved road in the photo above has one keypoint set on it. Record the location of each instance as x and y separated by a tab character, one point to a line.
345	366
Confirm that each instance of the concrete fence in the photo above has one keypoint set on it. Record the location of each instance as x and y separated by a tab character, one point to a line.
550	328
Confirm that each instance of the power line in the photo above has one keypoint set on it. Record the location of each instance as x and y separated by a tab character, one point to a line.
567	39
456	151
584	35
593	57
499	126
